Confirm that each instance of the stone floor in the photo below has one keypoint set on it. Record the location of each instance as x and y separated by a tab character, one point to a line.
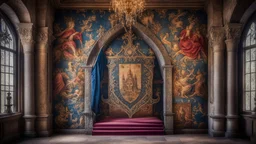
171	139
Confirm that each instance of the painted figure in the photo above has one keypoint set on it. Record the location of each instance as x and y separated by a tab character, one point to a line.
87	24
113	20
62	118
60	81
66	39
182	114
192	42
89	43
100	31
174	18
182	86
147	18
200	87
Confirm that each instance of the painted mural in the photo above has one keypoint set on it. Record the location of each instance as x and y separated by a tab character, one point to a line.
182	32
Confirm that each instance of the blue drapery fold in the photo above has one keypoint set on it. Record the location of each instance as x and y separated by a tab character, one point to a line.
96	77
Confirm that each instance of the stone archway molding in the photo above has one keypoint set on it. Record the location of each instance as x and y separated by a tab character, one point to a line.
148	36
164	62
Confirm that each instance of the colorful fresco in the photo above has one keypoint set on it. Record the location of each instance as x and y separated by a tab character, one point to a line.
183	33
183	118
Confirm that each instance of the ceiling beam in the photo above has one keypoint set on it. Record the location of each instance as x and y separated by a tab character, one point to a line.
150	4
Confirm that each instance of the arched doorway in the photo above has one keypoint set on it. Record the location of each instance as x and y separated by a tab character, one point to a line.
163	60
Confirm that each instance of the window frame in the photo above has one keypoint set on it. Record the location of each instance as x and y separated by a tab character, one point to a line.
244	48
17	103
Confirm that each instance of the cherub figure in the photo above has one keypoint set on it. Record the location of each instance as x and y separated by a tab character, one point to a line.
89	43
174	18
113	20
100	31
87	24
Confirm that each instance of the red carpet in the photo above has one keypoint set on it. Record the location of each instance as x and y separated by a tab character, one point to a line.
129	126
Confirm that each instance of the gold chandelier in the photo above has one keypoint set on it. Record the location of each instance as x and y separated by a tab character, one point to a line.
127	11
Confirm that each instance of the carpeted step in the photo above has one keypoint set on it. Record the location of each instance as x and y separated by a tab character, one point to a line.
133	120
128	128
126	124
128	132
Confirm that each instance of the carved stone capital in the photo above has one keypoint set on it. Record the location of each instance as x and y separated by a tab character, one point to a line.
233	31
216	37
42	36
217	34
26	33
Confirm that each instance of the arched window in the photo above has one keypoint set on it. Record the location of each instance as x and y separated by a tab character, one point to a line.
8	48
249	48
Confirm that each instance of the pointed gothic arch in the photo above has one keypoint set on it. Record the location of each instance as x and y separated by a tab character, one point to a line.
163	60
148	36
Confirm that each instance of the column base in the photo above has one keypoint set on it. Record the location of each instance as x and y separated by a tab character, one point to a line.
88	132
253	135
253	139
43	126
168	123
44	133
29	126
230	134
232	126
218	125
217	133
89	120
30	134
169	132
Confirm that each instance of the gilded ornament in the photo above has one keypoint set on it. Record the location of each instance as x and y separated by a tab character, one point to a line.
126	92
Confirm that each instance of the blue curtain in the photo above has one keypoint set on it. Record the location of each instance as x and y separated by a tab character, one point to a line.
96	77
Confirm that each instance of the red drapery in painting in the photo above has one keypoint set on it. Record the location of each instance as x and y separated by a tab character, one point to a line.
191	43
69	44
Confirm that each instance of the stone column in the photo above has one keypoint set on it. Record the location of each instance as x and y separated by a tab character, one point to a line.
167	99
233	32
42	125
88	114
26	36
218	116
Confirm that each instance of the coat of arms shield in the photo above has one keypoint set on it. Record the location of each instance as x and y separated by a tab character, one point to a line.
130	81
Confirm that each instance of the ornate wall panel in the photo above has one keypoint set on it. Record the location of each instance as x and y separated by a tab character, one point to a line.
130	79
182	32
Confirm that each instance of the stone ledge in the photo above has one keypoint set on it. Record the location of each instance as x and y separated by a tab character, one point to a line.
191	131
169	114
232	134
217	116
232	116
70	131
7	117
215	133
